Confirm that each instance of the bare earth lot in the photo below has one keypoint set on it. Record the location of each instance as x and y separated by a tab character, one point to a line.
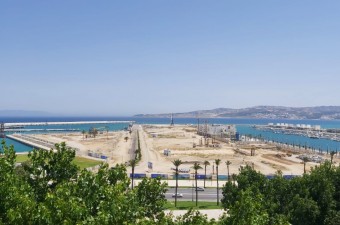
184	144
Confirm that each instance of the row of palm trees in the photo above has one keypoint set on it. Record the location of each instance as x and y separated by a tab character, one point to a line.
196	167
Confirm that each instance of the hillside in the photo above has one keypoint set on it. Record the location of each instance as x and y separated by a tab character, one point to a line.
270	112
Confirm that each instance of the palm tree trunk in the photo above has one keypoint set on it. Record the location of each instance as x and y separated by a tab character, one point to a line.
205	173
176	187
133	175
196	187
218	201
228	172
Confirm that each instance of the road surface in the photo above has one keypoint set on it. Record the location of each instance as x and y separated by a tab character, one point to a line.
208	195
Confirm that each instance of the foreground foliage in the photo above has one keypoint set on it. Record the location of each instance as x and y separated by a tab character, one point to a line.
312	199
50	189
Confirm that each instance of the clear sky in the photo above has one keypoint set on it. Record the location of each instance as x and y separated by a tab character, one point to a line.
156	56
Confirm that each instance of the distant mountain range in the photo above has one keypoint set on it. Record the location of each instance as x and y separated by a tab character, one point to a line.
262	112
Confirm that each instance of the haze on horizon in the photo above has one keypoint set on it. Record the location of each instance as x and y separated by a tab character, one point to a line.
130	57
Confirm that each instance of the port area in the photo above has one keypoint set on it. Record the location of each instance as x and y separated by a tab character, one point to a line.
314	132
160	145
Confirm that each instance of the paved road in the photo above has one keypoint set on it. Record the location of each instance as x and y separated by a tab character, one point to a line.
208	195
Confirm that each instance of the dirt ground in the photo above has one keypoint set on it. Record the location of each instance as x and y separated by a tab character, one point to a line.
184	144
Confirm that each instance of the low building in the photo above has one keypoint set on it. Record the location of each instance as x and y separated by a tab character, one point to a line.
217	130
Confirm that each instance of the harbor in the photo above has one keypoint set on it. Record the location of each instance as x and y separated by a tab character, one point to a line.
306	130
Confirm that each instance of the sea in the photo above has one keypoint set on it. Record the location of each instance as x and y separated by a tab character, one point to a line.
244	127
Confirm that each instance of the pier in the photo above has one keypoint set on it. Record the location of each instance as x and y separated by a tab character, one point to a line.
9	125
30	130
31	141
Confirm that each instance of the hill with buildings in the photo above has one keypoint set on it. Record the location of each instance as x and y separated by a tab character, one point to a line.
269	112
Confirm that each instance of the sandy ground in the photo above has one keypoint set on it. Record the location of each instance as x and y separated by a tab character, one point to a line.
111	144
180	140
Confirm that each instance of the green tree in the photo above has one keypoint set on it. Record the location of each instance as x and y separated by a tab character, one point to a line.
107	132
15	194
176	163
196	167
332	156
193	217
151	194
217	162
45	194
49	168
248	210
83	132
303	211
206	163
305	160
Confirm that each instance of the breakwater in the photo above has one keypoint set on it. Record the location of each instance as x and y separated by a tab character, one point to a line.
30	141
62	123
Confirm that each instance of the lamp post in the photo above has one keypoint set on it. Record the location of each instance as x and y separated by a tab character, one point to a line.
213	168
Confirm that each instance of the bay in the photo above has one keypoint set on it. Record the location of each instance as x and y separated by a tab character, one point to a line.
244	127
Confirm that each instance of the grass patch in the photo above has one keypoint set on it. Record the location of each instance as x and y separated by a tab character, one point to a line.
22	158
189	204
79	161
85	162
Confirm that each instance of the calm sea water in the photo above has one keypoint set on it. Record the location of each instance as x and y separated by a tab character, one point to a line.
243	127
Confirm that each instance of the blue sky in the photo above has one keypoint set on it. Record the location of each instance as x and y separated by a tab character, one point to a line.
128	57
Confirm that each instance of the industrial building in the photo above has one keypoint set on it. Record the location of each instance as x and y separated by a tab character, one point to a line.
219	131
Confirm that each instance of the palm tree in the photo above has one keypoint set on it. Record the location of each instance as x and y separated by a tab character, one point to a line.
133	163
206	163
176	163
95	132
196	167
228	163
83	132
332	155
217	162
107	132
305	160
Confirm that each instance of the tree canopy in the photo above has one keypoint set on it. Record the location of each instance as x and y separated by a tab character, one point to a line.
311	199
50	189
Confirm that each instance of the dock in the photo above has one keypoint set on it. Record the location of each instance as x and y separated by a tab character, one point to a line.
31	141
313	132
